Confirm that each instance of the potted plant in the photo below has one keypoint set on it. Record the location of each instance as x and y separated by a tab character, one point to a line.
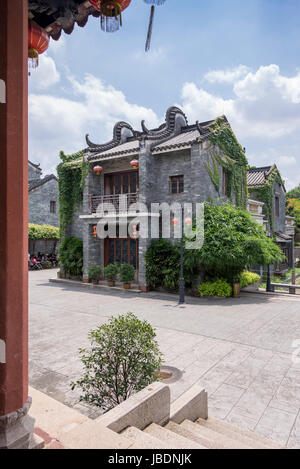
126	275
236	287
110	273
94	273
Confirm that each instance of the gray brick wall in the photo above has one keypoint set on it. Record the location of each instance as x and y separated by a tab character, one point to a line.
39	204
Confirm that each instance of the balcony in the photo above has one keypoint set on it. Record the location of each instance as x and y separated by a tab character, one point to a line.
96	202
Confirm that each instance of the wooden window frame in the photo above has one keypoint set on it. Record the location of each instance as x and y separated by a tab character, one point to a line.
52	206
178	179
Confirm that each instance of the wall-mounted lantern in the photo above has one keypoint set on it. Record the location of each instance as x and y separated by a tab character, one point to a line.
134	164
95	231
98	170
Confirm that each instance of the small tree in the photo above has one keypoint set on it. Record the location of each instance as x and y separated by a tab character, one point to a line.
232	241
126	273
122	360
110	272
94	272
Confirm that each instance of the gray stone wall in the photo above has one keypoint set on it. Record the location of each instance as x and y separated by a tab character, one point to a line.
39	204
33	173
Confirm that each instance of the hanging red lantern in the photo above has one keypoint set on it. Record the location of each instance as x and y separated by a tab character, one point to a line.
95	231
38	43
98	170
188	221
175	221
134	164
111	13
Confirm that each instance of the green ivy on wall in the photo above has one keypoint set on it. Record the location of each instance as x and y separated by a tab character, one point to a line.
214	172
265	194
71	172
232	159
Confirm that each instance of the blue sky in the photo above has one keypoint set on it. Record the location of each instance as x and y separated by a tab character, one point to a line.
235	57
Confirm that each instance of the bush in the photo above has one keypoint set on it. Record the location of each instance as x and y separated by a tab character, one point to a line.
123	359
42	232
218	288
163	265
248	278
94	271
127	273
110	272
71	256
233	240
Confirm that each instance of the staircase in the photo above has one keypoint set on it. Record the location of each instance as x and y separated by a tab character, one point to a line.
201	434
147	420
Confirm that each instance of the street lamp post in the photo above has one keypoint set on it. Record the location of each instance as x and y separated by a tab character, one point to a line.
181	280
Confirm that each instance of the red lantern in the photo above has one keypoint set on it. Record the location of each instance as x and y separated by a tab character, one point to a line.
111	13
95	231
98	170
175	221
188	221
38	42
134	164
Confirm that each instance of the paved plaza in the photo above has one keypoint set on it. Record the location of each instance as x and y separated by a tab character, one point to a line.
240	350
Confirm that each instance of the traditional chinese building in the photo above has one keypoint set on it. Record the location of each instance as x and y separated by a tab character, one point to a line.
42	197
176	162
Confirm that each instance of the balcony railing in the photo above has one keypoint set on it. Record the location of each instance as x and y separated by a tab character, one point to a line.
98	203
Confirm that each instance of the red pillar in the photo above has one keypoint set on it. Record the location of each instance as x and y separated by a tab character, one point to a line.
13	207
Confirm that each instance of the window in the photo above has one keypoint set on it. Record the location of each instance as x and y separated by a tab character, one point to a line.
225	182
277	206
176	184
52	206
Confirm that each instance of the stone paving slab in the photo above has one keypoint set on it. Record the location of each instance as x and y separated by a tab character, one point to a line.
240	350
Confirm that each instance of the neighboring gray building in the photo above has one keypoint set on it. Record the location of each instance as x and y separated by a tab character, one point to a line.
174	163
42	197
268	177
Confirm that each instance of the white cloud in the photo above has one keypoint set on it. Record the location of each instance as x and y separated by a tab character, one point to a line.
265	104
45	75
59	123
229	76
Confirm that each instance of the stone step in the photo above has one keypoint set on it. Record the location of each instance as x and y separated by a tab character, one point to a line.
218	440
200	439
92	435
246	436
144	440
173	439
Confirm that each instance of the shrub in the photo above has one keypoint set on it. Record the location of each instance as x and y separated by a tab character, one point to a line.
71	256
233	240
123	359
248	278
218	288
127	273
111	271
163	265
42	232
94	271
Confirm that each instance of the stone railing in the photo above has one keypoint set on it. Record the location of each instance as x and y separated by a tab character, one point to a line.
97	202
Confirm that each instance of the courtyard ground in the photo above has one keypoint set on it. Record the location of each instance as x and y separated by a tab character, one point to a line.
240	350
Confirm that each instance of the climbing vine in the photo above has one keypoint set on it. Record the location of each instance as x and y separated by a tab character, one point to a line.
71	172
214	172
232	159
265	194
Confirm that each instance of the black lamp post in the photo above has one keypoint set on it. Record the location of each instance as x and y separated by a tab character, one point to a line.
181	280
269	288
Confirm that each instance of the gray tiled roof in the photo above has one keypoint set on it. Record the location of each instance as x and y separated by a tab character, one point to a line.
127	148
183	140
39	182
258	176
